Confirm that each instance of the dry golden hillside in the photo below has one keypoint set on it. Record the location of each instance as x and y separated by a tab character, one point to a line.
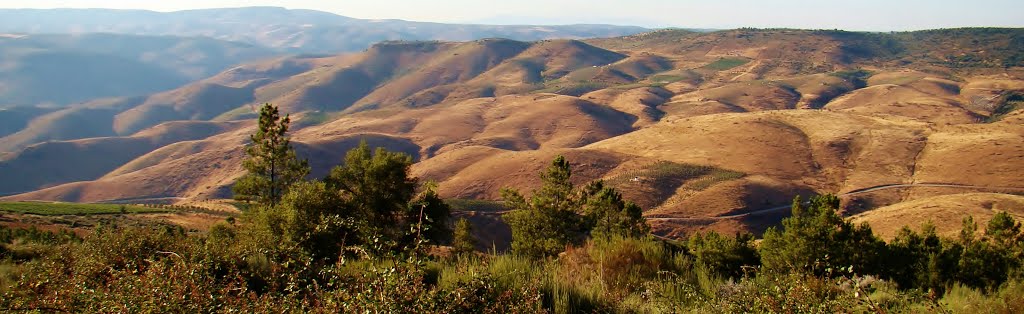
705	131
945	212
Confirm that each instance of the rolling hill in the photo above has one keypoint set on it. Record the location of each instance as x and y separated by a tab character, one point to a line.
705	130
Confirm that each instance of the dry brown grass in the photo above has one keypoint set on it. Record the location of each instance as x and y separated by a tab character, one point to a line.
946	212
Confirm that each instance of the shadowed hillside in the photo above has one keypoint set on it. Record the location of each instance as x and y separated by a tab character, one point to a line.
58	70
51	163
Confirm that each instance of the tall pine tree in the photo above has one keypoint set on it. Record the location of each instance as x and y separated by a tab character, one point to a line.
272	166
549	221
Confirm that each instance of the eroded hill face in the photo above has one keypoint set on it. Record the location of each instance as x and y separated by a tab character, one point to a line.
704	130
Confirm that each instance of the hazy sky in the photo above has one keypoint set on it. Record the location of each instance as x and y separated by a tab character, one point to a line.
875	15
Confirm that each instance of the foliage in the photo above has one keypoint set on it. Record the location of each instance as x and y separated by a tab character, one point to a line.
549	221
857	77
560	214
244	268
815	240
608	215
463	241
272	166
724	256
430	214
1005	105
377	187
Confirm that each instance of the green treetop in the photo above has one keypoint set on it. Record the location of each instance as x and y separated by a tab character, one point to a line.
272	166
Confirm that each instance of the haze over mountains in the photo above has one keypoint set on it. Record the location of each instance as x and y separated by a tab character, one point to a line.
704	129
297	31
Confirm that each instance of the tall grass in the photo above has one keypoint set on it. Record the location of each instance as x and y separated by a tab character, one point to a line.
1009	298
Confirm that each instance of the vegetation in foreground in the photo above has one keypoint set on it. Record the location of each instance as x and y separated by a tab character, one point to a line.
369	239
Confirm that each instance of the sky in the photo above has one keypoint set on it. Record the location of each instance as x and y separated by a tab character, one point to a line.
862	15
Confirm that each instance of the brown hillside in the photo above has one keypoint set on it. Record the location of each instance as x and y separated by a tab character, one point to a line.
483	177
904	101
48	164
946	212
202	101
510	122
494	122
92	119
457	64
984	155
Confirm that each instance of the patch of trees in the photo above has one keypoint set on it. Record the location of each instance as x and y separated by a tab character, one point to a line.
369	204
560	214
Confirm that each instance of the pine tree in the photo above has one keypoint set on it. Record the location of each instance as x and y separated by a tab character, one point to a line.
816	240
549	221
462	239
610	216
272	166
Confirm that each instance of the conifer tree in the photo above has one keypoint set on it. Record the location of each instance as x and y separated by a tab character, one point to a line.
272	166
816	240
462	239
610	216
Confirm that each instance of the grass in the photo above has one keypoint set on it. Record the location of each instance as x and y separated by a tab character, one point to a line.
676	76
314	118
900	80
661	180
240	113
57	209
669	170
723	64
573	88
1009	298
667	78
1008	104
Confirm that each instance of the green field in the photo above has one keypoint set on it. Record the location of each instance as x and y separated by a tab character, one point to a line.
726	63
56	209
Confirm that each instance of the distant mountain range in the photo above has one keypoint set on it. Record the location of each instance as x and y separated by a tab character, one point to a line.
55	70
58	57
302	31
